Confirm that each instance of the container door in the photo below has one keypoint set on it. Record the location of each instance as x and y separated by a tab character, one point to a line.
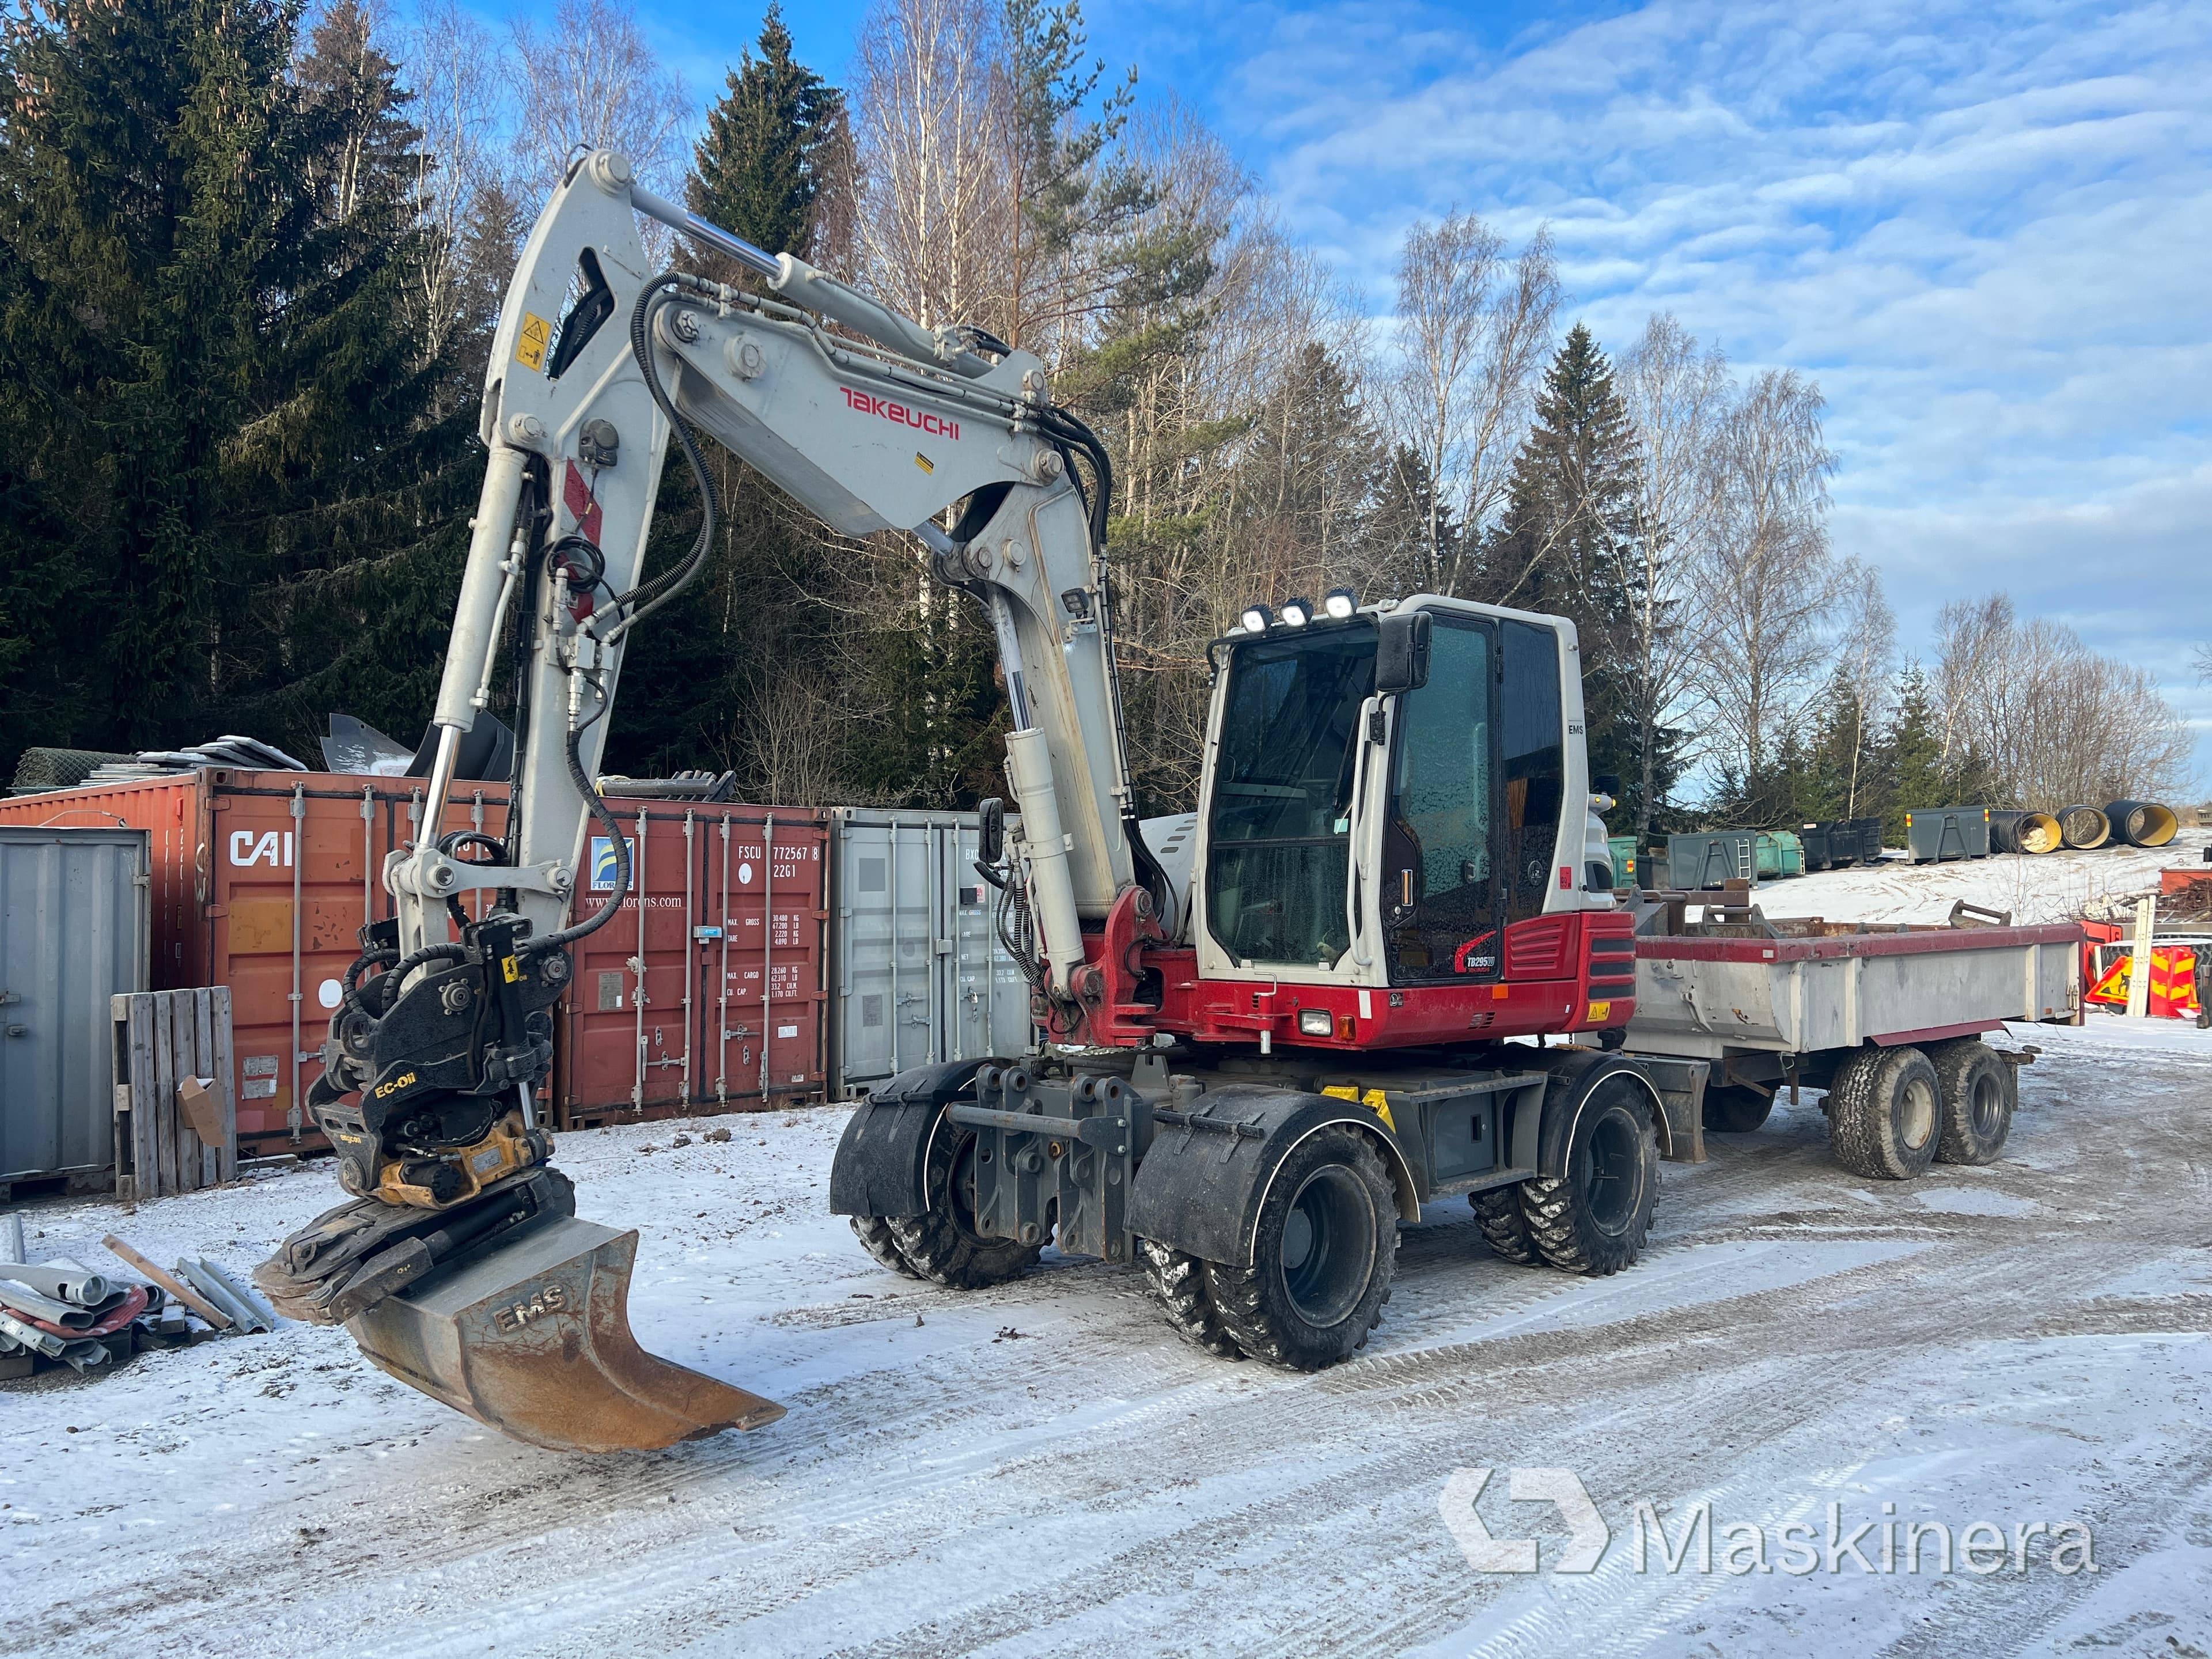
629	1029
72	935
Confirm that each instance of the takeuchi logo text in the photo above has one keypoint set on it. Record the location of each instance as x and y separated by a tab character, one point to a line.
884	409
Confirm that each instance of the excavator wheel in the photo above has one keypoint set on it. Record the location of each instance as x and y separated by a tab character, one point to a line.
1176	1280
875	1235
941	1244
1322	1256
1505	1229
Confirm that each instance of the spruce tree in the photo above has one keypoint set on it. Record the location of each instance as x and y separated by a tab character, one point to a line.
1565	547
211	405
757	171
1913	759
704	679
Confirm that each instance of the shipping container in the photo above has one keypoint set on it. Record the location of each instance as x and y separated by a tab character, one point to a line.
74	932
919	972
1934	833
263	880
708	991
1712	858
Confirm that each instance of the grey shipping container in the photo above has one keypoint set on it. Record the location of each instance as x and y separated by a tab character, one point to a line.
75	926
1712	858
919	974
1936	832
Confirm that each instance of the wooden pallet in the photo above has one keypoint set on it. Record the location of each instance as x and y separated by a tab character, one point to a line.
162	1037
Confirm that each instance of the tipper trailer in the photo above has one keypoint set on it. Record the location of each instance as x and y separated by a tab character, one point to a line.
1886	1019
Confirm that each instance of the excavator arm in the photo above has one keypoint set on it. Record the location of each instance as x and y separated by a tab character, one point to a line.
458	1263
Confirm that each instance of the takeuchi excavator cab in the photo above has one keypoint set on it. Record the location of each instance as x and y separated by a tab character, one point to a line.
1389	793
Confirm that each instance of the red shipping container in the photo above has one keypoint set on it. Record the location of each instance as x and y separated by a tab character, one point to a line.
263	880
667	1009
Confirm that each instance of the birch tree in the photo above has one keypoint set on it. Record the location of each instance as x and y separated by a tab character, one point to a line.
1676	394
1769	584
1471	328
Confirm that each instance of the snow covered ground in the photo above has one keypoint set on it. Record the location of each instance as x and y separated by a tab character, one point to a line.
2048	887
1043	1469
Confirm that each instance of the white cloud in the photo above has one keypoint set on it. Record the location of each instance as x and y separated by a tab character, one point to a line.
1985	227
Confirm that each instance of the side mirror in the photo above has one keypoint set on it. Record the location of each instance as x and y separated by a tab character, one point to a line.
1401	652
1606	783
990	830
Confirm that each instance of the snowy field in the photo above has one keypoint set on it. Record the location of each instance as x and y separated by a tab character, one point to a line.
1042	1469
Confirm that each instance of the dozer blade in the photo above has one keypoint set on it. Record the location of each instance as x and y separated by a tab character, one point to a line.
533	1340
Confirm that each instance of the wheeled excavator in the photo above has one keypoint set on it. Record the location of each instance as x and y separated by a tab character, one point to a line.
1381	963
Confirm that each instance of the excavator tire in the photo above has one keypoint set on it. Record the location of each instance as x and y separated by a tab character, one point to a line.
1594	1217
1322	1256
1505	1229
875	1235
941	1244
1176	1280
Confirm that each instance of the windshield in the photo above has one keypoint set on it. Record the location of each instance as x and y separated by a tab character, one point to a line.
1279	835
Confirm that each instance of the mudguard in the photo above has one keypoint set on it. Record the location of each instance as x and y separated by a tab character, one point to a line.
1576	1075
883	1156
1203	1180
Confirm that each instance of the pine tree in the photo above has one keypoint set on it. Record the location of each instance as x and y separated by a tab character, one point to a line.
757	171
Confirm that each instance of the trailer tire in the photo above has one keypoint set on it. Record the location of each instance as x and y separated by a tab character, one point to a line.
874	1233
1734	1110
1176	1280
1594	1216
1323	1250
941	1244
1884	1114
1505	1229
1977	1102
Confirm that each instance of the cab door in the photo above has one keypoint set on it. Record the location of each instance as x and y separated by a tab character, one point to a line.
1442	895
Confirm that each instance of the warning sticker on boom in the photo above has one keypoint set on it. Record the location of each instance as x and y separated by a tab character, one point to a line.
530	345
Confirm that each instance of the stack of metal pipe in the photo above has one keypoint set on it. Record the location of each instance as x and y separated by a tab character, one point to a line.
61	1311
64	1310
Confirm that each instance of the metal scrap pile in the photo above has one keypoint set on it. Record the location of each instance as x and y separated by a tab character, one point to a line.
246	754
62	1313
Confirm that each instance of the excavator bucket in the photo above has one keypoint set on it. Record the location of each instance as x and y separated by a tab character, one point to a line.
533	1340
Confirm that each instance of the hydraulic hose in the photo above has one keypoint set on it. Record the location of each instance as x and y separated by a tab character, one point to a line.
1066	429
644	599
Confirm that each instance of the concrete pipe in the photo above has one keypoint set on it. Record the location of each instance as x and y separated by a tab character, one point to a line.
2141	822
2083	827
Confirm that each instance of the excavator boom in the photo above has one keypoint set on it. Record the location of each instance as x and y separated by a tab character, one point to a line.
459	1265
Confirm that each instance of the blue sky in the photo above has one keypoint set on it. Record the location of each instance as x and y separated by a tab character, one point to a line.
1985	228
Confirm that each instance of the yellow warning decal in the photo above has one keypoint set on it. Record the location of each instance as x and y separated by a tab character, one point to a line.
1599	1011
530	345
511	968
924	462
